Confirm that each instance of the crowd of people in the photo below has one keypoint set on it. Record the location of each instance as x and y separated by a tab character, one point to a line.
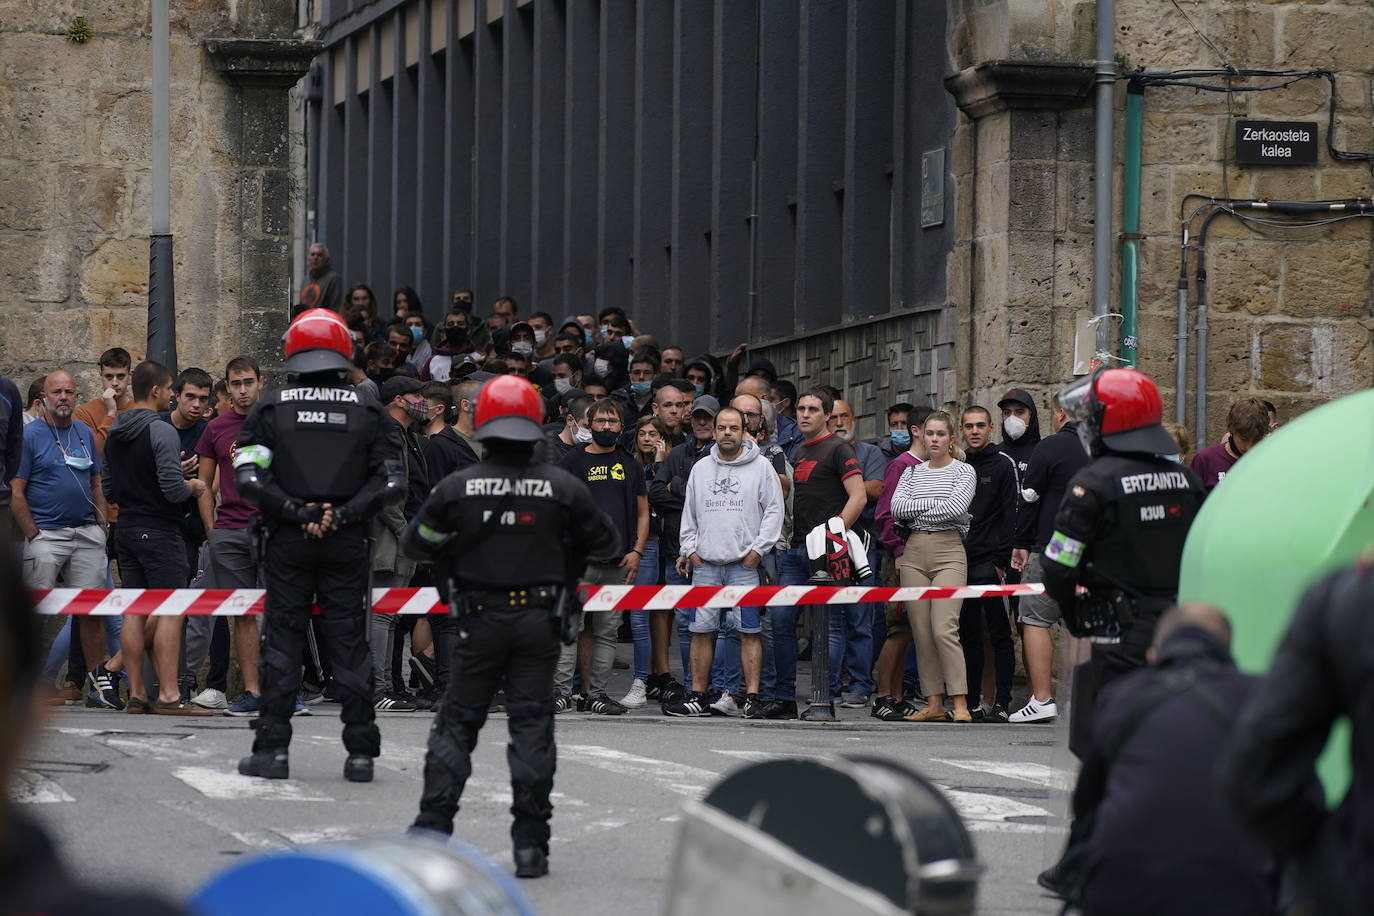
714	472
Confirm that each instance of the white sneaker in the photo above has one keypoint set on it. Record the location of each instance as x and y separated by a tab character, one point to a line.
210	698
1035	711
725	706
636	698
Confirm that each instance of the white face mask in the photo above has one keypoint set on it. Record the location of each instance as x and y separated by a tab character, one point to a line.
1015	427
522	346
602	367
539	337
561	385
582	436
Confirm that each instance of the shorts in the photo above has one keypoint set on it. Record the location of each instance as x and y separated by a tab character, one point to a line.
894	618
743	619
1037	610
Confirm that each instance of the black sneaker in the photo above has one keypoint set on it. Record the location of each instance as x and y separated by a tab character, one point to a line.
908	708
781	709
394	702
266	765
696	704
562	702
888	710
661	688
600	705
1055	881
754	707
998	715
978	714
102	691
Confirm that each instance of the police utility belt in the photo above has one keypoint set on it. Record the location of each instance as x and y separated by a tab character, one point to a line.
1102	615
474	601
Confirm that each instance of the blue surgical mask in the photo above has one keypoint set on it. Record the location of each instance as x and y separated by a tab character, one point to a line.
417	334
586	337
629	342
901	438
78	462
605	329
639	389
700	389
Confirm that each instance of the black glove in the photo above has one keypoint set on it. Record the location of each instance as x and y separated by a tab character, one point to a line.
302	514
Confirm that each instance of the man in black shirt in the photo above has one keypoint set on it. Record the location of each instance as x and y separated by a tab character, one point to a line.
988	545
828	482
193	389
616	484
1052	464
145	476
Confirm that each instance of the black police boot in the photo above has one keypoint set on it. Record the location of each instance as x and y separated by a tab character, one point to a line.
358	768
269	764
531	862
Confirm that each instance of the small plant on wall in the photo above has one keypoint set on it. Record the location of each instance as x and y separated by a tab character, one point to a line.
80	31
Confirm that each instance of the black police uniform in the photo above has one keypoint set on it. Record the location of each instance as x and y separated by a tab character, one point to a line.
317	442
1119	533
499	530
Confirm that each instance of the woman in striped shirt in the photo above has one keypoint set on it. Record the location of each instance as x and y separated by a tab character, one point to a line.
931	501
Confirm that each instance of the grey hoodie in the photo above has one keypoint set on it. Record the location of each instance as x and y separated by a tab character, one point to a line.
731	507
166	446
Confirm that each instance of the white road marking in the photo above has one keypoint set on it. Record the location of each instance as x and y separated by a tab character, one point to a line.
1036	773
322	835
156	747
226	786
687	781
253	839
762	756
31	788
989	813
78	732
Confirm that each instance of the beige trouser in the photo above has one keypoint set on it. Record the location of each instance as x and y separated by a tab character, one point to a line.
936	558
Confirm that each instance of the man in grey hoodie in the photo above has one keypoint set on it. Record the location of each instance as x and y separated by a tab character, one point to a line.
143	475
731	516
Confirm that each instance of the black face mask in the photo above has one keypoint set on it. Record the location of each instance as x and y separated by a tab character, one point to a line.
457	338
605	437
381	374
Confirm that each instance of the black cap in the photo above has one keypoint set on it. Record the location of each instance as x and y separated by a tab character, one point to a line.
762	366
1018	396
706	404
398	385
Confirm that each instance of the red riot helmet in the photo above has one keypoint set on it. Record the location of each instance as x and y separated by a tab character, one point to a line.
509	408
318	341
1118	410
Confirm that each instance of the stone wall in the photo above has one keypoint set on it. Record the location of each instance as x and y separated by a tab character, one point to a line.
1289	311
75	197
876	364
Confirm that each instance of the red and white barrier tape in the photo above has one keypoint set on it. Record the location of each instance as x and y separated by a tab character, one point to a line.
235	602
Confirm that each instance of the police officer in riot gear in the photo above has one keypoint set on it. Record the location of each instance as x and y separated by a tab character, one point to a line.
498	533
1120	530
1119	533
319	461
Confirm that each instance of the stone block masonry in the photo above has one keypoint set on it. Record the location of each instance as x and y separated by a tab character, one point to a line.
75	189
1289	311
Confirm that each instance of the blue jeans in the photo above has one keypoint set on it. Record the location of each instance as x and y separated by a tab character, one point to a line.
683	619
639	620
851	639
794	568
61	647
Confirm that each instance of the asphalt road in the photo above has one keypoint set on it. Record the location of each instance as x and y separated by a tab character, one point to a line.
157	800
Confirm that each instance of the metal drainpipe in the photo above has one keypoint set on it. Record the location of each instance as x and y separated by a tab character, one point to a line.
1181	334
1105	65
1130	220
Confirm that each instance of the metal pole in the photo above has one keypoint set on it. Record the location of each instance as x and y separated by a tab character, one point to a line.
820	708
162	331
1130	220
1105	66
